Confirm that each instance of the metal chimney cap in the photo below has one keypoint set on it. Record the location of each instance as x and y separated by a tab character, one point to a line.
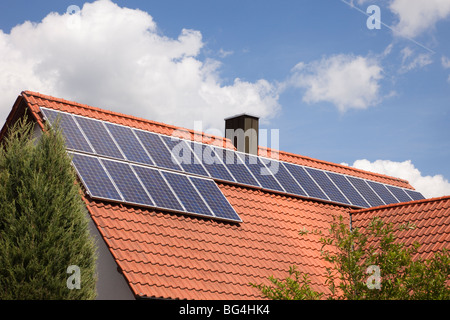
240	115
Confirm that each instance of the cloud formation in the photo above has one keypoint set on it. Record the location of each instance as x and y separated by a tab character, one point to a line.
418	16
347	81
116	58
429	186
411	61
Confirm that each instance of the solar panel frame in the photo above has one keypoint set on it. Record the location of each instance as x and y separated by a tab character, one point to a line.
368	193
327	185
348	189
190	161
157	149
127	182
291	179
383	192
308	184
399	193
215	199
128	143
99	137
187	193
286	180
213	161
260	172
415	195
158	188
74	137
99	186
237	167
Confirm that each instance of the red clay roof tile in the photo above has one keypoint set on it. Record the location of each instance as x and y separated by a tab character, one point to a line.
430	217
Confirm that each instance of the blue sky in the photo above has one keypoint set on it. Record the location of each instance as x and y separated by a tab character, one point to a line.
377	99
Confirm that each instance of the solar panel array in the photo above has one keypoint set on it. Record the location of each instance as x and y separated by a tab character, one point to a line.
135	166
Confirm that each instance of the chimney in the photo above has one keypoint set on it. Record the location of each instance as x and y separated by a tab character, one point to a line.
242	130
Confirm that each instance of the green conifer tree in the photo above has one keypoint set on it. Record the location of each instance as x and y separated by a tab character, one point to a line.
43	220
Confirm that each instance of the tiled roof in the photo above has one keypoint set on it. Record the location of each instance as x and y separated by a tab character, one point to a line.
431	218
177	256
170	255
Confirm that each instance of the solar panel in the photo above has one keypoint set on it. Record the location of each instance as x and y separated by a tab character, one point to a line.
382	192
215	199
347	188
128	143
400	194
158	188
73	136
94	177
127	183
414	194
284	178
188	160
187	194
152	187
237	167
260	172
370	196
157	150
213	161
327	186
307	183
99	138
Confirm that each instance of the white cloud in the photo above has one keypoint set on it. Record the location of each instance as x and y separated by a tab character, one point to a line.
116	58
224	53
412	61
429	186
445	62
347	81
417	16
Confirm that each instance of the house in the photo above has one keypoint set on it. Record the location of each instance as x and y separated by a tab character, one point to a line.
150	251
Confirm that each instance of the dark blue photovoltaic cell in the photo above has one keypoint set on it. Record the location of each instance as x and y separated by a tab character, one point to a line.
327	185
414	194
346	187
99	138
382	192
284	178
215	199
305	181
237	167
187	194
370	196
260	172
157	150
157	188
127	183
72	134
129	144
400	194
94	177
212	159
183	153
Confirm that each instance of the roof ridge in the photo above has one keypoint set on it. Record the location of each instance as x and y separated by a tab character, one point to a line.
401	204
127	116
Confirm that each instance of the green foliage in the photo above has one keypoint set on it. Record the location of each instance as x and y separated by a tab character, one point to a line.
351	253
295	287
43	220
